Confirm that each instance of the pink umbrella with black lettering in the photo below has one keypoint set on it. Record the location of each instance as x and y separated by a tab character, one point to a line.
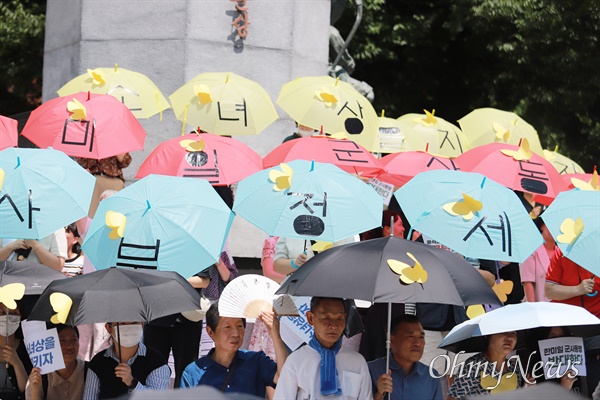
516	167
218	159
85	125
402	167
343	153
9	134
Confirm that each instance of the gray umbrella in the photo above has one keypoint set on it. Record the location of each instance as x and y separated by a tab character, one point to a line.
361	271
120	295
34	276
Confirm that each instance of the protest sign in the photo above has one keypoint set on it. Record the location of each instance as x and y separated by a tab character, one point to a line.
297	330
561	354
43	347
385	190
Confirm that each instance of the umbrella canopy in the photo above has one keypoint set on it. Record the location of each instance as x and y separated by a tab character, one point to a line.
85	125
563	164
545	390
394	136
468	336
224	103
516	167
34	276
333	105
583	181
472	215
217	159
573	218
160	222
135	90
308	200
402	167
390	269
441	136
9	134
490	125
345	154
41	190
116	295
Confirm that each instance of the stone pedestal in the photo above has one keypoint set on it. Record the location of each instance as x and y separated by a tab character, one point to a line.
173	41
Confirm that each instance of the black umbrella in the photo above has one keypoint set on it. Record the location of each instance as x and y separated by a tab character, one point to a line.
119	295
34	276
361	271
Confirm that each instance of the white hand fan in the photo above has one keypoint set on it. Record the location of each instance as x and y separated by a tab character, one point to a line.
247	295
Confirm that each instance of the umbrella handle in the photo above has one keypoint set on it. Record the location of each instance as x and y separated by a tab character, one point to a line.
592	294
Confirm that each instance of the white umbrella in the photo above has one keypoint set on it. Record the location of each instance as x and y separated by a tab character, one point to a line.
516	317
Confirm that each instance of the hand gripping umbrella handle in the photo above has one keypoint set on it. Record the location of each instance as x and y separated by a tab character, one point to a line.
592	294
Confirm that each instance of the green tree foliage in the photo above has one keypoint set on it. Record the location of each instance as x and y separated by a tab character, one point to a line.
539	58
21	54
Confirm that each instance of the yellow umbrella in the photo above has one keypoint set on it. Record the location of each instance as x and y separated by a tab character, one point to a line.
563	164
322	101
395	136
490	125
135	90
223	103
442	137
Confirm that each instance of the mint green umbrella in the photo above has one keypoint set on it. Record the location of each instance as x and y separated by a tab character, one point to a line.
162	223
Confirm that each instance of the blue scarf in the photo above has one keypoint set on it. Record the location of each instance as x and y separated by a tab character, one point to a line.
330	381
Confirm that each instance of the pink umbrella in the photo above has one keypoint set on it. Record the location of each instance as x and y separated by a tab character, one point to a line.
569	184
514	167
342	153
85	125
218	159
9	135
402	167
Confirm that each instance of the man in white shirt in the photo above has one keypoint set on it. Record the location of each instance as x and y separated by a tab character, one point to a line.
323	368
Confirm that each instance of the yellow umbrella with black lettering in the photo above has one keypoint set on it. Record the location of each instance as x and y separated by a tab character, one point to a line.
143	98
322	102
442	137
223	103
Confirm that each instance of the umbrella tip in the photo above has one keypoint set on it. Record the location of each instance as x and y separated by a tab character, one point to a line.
382	113
556	148
483	182
89	95
427	147
116	67
312	165
227	78
19	162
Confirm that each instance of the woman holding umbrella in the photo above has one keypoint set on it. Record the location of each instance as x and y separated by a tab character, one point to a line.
14	361
485	372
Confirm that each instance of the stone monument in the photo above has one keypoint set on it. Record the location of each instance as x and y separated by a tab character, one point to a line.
270	42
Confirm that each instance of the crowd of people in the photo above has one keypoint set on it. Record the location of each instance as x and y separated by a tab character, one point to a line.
115	358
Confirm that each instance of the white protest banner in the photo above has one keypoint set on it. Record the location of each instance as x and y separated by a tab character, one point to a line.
385	190
297	330
31	327
391	139
561	354
44	350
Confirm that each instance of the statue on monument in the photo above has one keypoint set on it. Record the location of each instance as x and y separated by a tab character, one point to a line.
341	63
